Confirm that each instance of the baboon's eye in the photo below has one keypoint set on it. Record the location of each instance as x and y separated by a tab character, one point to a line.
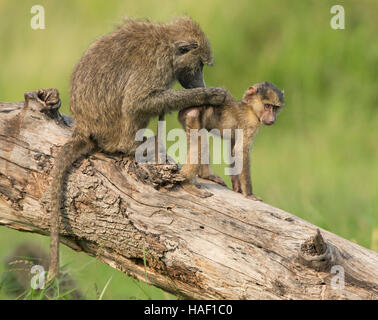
185	48
268	105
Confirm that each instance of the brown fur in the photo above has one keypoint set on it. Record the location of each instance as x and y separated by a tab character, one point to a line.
121	82
247	115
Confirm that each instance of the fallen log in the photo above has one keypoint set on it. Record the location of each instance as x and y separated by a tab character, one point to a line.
128	214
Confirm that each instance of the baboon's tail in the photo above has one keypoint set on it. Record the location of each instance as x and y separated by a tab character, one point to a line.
72	150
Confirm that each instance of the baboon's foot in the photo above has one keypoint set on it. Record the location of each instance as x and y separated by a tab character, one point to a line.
206	173
253	197
214	178
236	186
192	189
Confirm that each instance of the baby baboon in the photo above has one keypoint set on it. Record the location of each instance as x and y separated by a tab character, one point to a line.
261	104
123	80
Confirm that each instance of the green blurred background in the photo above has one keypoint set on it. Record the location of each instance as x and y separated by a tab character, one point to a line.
318	162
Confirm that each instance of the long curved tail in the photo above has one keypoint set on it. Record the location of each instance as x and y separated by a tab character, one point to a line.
72	150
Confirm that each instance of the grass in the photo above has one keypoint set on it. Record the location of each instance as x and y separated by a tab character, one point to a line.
318	162
92	277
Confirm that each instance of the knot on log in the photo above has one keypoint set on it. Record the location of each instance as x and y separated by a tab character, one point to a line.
316	253
160	176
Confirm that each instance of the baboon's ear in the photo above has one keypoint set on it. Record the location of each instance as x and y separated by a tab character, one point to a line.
183	47
249	94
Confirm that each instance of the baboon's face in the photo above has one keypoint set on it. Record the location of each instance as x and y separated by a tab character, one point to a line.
266	101
188	65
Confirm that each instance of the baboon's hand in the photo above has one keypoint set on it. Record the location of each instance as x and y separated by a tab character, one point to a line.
215	96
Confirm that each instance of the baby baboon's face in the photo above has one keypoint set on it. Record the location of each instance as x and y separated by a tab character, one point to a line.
266	101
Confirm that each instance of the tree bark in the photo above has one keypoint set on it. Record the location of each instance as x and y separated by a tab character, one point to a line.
127	214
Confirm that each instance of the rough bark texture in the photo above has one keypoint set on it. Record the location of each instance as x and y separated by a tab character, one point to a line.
222	247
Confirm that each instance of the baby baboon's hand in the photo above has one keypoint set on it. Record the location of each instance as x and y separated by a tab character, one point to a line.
215	95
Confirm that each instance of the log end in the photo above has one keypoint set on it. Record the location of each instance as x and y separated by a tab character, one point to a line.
47	101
